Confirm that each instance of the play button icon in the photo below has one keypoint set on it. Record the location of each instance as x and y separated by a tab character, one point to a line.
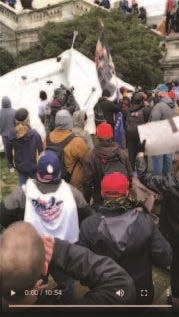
12	293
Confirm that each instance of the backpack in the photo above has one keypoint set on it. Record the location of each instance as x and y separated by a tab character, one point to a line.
133	119
59	149
109	166
99	116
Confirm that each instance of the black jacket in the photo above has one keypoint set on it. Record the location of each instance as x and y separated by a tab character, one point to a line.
101	274
108	108
169	187
138	244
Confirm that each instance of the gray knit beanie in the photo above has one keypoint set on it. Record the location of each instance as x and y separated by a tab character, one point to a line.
6	103
63	120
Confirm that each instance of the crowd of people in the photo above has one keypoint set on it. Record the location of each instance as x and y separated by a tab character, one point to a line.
11	3
76	214
126	8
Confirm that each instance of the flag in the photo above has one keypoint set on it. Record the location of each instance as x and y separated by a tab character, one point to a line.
104	64
119	130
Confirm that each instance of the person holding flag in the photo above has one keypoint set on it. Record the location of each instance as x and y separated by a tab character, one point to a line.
106	109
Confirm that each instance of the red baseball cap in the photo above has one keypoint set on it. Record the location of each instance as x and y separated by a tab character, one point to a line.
114	184
104	131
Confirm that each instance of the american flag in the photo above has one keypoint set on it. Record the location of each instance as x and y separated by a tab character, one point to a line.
104	64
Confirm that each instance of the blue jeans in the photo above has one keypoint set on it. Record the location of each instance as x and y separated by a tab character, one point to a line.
162	164
24	177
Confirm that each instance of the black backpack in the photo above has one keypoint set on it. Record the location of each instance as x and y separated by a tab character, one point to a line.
98	114
59	149
133	119
111	165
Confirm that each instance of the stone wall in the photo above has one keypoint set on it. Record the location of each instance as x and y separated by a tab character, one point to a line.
19	30
170	61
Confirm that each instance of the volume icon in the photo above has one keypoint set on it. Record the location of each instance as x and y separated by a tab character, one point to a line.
120	293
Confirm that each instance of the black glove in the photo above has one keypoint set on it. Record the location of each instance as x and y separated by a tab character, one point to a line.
141	147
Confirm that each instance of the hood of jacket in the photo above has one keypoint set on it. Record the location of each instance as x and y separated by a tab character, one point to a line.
63	120
6	103
106	150
135	226
168	101
136	107
79	119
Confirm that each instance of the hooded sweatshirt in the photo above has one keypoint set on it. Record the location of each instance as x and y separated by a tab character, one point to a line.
78	128
6	116
164	109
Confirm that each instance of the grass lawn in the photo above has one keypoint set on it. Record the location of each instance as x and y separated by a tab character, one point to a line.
8	180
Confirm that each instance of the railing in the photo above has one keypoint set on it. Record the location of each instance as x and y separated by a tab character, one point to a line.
8	16
28	19
18	26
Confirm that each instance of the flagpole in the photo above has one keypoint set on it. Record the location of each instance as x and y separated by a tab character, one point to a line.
75	33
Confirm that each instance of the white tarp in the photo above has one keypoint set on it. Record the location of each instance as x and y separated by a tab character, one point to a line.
74	69
160	136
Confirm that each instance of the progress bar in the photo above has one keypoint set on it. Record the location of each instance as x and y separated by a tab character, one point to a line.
69	306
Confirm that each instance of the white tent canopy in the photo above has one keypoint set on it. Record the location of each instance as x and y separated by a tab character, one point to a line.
74	69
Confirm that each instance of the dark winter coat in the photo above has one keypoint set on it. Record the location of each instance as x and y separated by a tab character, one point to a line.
108	108
164	109
22	152
169	187
101	275
92	167
139	243
135	108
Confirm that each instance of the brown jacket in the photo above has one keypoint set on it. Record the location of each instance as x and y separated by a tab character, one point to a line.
105	150
75	150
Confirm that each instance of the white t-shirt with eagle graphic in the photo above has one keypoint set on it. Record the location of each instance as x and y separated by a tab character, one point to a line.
54	213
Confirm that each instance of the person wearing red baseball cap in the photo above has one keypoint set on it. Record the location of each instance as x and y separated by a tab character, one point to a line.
106	156
123	230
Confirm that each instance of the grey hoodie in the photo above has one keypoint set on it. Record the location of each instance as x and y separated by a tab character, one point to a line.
78	128
164	109
6	116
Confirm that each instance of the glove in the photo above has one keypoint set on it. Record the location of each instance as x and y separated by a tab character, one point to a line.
12	169
141	147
